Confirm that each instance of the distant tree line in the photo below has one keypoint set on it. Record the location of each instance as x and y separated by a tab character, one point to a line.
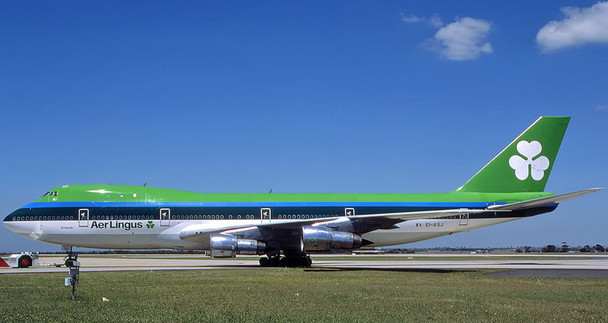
563	248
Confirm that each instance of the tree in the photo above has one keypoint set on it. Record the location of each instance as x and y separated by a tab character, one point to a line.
549	248
599	248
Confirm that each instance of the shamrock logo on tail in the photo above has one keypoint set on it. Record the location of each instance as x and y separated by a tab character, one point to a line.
529	166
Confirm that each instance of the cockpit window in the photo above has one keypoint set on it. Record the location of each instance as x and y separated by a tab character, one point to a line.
50	193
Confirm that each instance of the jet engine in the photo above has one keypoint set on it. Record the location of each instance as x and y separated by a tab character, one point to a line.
227	246
325	239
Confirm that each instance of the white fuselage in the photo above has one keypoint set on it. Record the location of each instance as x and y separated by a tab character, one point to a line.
138	234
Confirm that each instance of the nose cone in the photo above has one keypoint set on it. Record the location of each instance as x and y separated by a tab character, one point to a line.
24	223
15	222
10	223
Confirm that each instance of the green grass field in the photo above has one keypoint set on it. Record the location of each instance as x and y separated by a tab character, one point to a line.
302	295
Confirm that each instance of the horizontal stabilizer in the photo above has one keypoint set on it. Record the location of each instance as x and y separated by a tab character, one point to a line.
543	201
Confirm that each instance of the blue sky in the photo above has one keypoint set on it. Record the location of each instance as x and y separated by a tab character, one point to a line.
317	96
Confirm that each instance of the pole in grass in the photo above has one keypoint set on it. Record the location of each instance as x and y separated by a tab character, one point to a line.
71	261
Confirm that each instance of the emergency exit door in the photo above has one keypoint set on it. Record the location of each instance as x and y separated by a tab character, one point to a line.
83	217
265	215
165	217
464	219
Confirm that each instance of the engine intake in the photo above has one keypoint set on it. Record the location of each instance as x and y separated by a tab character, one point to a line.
227	246
325	239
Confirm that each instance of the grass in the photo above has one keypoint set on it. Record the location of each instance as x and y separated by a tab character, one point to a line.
300	295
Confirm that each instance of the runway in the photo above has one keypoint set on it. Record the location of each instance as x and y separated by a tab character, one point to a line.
536	265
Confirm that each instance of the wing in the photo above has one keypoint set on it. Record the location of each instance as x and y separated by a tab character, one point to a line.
363	223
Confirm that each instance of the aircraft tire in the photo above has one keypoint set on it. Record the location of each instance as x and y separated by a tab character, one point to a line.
303	261
25	261
270	262
275	262
307	262
264	262
285	262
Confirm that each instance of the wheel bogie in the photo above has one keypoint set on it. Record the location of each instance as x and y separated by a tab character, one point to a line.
297	261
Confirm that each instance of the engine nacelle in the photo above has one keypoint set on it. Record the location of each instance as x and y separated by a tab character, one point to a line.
227	246
325	239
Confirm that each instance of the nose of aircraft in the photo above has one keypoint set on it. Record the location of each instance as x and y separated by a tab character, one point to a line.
10	223
15	222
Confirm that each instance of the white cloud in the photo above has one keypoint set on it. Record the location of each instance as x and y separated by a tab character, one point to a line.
434	20
462	40
411	19
581	26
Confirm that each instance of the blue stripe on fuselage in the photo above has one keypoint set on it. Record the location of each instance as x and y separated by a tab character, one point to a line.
441	205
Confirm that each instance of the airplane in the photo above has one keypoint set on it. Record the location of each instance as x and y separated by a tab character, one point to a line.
286	228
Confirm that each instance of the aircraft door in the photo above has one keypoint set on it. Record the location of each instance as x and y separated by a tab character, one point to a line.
165	217
464	219
265	215
83	217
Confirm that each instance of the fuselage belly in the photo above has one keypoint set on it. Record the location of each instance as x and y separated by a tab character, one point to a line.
150	235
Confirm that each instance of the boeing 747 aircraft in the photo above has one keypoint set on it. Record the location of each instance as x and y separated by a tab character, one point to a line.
286	227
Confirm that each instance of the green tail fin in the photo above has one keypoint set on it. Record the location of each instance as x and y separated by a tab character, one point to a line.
526	163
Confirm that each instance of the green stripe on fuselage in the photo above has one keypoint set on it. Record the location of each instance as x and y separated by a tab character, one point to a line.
123	193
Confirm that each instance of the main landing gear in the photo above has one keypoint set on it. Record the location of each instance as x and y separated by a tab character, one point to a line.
300	260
